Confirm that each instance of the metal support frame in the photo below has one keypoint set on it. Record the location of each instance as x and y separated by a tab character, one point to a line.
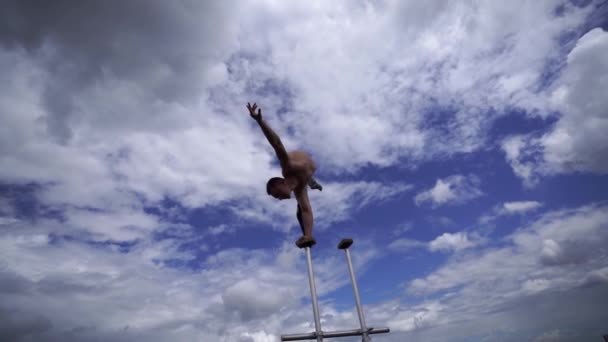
318	335
332	334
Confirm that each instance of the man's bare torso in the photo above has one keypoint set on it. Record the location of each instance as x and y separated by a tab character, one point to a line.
300	166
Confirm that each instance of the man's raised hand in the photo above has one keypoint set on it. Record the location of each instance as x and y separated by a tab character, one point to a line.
256	116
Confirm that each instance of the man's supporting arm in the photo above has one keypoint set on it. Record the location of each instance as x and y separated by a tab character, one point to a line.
305	211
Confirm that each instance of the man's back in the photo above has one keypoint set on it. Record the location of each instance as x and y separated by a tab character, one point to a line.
300	166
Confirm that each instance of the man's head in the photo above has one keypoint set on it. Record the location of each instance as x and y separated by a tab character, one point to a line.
278	188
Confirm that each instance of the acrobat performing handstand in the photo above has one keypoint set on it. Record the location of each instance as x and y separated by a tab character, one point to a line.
298	169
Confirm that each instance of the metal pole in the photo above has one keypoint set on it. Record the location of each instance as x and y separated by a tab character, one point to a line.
313	295
345	244
357	299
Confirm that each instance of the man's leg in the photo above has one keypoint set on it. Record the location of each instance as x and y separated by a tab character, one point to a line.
313	184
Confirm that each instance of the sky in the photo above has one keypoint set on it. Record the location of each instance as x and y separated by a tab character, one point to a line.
461	144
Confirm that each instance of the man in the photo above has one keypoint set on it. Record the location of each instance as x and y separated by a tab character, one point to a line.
298	169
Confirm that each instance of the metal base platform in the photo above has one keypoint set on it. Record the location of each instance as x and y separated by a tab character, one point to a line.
330	334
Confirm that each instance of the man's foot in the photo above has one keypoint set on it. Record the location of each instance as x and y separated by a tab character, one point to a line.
305	241
313	184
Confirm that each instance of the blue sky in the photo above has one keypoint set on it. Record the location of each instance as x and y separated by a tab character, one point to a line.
461	144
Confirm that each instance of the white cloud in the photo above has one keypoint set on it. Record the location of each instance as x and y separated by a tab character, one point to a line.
599	276
521	206
522	157
115	226
221	229
510	208
577	142
461	62
257	336
533	247
7	220
446	242
253	300
439	194
172	122
402	245
455	242
418	317
403	228
551	251
334	204
454	189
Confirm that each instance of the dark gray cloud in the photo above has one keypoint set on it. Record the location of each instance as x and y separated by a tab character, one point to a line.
13	284
161	48
88	38
578	315
18	325
250	301
571	252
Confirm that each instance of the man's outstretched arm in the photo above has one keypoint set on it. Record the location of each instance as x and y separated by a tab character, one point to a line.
272	137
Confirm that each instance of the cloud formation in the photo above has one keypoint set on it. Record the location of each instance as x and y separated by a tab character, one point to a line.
455	189
510	208
455	242
520	206
117	119
532	266
131	296
576	143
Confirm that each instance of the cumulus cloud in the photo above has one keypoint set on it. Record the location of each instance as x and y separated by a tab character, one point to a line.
103	293
128	117
523	158
463	66
221	229
510	208
252	300
455	189
257	336
577	142
496	285
452	242
521	206
531	246
136	292
446	242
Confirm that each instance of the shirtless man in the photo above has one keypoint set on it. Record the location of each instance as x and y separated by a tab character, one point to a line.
298	169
